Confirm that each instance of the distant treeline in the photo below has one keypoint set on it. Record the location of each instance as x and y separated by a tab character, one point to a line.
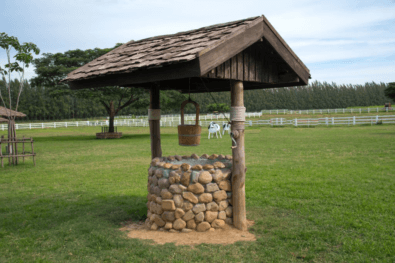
36	103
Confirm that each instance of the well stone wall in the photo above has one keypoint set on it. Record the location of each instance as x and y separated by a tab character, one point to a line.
187	193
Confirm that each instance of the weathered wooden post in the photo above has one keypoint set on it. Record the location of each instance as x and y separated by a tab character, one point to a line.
239	170
154	122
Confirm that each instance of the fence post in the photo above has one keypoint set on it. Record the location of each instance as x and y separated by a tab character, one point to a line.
77	123
326	121
42	125
54	124
368	110
333	120
377	119
296	122
353	120
30	126
66	124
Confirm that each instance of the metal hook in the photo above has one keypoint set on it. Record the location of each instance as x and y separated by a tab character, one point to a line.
233	139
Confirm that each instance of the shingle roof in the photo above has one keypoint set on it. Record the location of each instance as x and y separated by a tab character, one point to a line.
159	51
6	112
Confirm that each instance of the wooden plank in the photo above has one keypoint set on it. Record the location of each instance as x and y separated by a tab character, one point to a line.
240	68
211	57
246	63
154	125
227	69
173	71
252	67
258	64
233	67
238	168
220	71
285	52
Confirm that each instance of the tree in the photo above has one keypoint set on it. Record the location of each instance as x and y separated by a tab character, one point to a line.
23	58
52	68
390	91
221	107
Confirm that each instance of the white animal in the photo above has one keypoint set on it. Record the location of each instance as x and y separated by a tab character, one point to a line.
225	127
214	128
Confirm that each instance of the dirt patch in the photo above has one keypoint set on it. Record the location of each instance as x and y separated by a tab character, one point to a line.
227	235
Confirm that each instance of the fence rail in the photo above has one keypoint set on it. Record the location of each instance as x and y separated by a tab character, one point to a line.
168	122
328	111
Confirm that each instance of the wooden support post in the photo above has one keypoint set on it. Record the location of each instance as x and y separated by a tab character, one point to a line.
154	125
238	170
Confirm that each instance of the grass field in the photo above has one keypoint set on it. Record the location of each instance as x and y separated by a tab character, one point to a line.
316	195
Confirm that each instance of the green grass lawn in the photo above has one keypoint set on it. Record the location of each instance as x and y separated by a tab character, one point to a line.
316	195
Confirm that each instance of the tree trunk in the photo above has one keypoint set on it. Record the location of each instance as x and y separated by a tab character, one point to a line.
112	116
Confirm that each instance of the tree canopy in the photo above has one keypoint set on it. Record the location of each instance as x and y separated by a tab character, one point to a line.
390	91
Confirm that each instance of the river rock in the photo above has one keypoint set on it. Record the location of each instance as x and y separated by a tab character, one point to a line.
175	189
204	156
210	216
180	213
190	197
194	177
223	205
167	165
219	195
154	180
163	183
228	157
213	156
156	191
179	224
154	227
213	206
168	216
168	205
222	215
158	200
197	167
199	217
205	177
168	225
219	165
191	224
205	198
186	206
202	227
195	156
225	185
165	194
186	230
221	157
199	208
227	174
159	173
229	221
178	200
174	177
175	166
185	167
159	221
208	167
178	157
188	216
211	187
218	223
185	178
196	188
229	211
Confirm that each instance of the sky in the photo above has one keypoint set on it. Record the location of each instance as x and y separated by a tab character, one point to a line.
341	41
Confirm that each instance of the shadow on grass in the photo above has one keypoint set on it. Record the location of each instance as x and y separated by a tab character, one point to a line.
52	213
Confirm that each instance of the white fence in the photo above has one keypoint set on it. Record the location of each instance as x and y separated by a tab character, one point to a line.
167	122
327	111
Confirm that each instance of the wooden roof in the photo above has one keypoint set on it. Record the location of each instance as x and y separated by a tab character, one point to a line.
3	120
6	112
175	60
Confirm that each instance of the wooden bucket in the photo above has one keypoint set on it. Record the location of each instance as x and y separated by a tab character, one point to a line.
189	135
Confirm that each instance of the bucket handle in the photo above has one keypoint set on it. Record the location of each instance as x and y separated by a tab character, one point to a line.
197	110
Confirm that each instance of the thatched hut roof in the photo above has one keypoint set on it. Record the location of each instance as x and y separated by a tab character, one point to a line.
250	50
3	120
6	112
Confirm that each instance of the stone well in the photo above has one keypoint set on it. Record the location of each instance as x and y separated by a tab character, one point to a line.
187	193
